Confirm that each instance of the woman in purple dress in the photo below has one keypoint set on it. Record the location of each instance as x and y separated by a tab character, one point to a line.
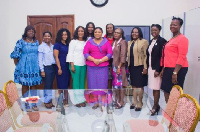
62	67
97	51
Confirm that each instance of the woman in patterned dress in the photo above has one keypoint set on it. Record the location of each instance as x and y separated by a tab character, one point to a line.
27	72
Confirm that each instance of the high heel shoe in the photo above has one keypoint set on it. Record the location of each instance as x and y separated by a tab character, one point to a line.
154	111
139	108
132	106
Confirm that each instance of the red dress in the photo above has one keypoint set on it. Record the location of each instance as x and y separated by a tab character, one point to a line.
110	40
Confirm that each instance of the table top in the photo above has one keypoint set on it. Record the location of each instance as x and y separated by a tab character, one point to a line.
106	117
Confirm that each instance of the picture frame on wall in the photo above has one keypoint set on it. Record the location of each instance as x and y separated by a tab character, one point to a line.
128	28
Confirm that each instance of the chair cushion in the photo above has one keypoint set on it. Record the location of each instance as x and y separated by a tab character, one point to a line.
184	115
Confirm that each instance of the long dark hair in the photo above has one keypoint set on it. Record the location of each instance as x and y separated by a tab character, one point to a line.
106	28
87	25
76	33
60	33
139	31
29	27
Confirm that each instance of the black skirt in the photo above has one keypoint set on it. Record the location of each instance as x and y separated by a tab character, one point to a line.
167	84
137	78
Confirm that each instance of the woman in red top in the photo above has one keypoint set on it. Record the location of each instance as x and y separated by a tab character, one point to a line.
109	32
174	61
109	35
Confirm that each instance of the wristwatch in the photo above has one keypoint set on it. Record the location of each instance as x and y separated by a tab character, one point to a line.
175	73
100	60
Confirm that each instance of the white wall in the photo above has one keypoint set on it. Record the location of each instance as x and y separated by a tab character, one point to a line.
192	31
120	12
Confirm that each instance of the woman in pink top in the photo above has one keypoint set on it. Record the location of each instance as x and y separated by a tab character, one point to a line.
97	51
174	61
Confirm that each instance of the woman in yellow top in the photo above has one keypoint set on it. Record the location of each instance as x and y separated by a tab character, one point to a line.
137	66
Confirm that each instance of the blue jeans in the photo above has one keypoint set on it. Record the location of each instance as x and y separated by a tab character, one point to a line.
50	72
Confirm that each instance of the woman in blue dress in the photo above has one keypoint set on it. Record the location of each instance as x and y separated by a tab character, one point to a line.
25	57
62	67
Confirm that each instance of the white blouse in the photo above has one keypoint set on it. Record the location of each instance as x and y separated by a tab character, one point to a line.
75	53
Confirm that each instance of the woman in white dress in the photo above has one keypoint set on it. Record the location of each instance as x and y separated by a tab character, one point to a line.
154	53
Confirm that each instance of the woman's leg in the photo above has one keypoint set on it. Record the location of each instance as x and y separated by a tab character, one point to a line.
33	92
82	75
25	93
66	98
135	100
156	107
122	94
140	94
166	96
25	90
156	95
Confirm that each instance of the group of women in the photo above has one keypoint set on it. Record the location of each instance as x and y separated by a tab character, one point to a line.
104	60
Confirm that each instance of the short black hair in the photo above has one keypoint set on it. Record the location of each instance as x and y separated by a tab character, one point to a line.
156	25
29	27
47	32
87	25
60	33
76	33
122	33
179	19
139	31
99	28
106	28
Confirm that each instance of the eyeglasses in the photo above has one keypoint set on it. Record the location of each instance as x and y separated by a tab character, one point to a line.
117	32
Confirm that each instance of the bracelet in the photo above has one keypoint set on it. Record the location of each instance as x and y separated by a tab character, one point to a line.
175	73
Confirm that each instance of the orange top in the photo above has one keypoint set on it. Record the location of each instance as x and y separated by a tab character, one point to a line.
175	52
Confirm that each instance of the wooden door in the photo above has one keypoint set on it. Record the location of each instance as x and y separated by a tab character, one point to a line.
66	22
52	24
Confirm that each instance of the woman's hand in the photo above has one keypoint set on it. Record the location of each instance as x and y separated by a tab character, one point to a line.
59	71
16	61
43	74
156	74
96	61
118	71
73	69
174	79
144	71
161	73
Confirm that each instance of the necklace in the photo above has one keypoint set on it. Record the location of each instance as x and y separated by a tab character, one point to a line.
176	35
29	40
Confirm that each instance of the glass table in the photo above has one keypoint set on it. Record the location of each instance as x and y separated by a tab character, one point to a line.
104	118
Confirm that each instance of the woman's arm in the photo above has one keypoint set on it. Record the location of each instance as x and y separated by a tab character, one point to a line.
70	55
16	54
56	53
158	69
123	55
145	46
182	53
108	55
87	55
15	61
40	59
